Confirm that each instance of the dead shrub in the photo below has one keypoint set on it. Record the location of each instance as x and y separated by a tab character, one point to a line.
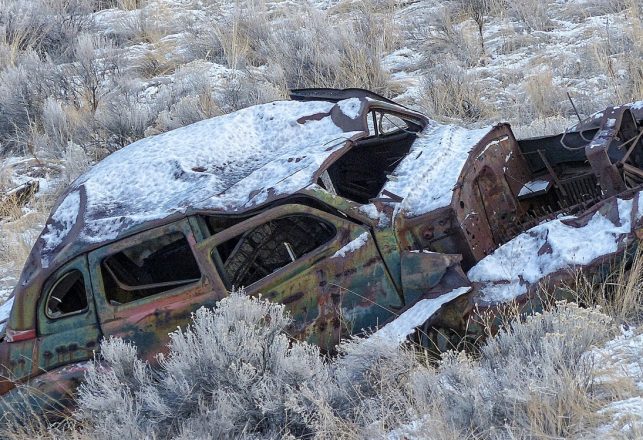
445	33
449	93
532	13
232	372
619	293
543	96
126	115
313	53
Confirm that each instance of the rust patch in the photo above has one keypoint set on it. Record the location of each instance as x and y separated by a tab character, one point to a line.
292	298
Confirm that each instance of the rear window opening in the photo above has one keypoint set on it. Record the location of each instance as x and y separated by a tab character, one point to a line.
149	268
67	296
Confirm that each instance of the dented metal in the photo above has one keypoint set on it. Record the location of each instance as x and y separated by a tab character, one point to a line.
379	260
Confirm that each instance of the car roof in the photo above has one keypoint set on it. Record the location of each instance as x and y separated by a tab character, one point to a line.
227	164
234	164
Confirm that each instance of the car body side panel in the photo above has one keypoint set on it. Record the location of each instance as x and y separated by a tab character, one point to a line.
17	363
51	393
429	274
384	235
147	321
335	290
70	338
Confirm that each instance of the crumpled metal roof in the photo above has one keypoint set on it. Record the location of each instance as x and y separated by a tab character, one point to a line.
228	163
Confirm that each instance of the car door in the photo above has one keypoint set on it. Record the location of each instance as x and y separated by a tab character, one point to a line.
326	269
68	329
149	284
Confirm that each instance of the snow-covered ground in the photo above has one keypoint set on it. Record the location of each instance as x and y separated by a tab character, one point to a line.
622	359
137	72
133	73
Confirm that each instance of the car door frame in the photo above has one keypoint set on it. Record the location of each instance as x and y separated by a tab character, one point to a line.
347	230
147	321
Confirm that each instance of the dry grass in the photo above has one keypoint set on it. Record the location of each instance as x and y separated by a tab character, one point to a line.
543	127
129	5
543	95
450	94
10	207
532	13
20	224
618	55
19	232
619	294
445	34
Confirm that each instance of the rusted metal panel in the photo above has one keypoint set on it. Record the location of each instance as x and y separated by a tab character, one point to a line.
428	274
484	211
147	321
51	393
334	291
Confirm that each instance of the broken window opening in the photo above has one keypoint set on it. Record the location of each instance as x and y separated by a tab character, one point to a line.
382	123
259	252
389	123
154	266
327	183
218	224
68	296
360	174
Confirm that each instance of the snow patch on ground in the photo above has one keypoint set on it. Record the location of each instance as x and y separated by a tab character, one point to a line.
621	358
5	311
411	430
626	416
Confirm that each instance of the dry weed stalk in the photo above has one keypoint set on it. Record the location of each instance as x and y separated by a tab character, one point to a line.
619	293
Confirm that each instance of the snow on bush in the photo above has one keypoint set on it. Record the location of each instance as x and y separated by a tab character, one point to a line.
532	380
234	373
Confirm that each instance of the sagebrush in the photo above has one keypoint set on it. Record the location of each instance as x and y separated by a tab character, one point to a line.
234	373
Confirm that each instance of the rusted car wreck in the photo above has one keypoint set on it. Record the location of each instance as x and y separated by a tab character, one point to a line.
341	204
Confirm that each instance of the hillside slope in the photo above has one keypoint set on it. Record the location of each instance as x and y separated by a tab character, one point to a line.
81	79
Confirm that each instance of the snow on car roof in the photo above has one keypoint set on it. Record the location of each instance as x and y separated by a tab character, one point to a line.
227	163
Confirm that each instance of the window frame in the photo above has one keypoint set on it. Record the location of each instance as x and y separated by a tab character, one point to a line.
98	256
375	115
209	246
55	284
123	285
86	317
220	264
